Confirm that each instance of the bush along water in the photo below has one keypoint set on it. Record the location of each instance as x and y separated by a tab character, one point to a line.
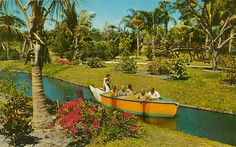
85	122
16	113
179	69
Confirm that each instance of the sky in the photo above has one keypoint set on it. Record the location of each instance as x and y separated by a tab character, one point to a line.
112	11
108	12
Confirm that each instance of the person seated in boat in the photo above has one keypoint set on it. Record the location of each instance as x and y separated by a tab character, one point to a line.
79	93
122	91
153	94
142	95
129	91
113	91
106	83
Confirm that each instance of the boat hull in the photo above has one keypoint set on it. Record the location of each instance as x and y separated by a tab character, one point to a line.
154	108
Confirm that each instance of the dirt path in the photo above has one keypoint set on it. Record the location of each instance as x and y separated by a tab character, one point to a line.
44	138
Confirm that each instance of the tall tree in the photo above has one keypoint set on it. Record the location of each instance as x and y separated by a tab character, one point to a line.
10	29
134	21
165	9
151	19
36	12
209	15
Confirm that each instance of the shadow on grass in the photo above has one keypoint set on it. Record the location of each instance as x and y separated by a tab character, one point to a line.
177	79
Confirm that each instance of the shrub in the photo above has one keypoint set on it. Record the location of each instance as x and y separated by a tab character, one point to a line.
124	46
16	113
95	62
127	65
159	66
85	122
14	54
118	125
3	55
228	62
149	53
179	68
94	49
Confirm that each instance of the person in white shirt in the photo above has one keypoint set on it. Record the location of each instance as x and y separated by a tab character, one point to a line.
153	94
106	83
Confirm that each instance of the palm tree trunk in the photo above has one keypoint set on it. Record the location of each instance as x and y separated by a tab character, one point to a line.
207	39
153	46
137	43
7	50
231	41
153	36
40	114
214	57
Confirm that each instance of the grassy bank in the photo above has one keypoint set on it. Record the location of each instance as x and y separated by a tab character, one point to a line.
203	89
187	92
157	136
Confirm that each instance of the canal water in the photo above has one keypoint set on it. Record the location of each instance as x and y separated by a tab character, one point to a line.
214	126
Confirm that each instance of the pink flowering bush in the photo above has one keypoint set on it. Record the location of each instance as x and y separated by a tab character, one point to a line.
88	121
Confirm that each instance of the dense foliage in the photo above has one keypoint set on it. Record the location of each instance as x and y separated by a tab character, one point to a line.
95	62
179	68
16	113
160	66
228	62
87	121
127	65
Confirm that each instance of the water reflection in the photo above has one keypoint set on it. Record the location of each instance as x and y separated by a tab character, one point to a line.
161	122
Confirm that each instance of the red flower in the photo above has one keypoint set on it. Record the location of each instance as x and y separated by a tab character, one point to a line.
50	126
91	110
96	123
126	114
133	128
74	129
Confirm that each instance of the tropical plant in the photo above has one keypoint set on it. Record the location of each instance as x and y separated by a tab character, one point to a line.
10	30
127	65
16	112
160	67
86	121
124	46
95	62
214	22
179	69
36	13
228	62
134	22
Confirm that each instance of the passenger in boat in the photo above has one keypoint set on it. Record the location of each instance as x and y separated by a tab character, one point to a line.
129	90
79	93
106	83
142	95
113	91
153	94
122	91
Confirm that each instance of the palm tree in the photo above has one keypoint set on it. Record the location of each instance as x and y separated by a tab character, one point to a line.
134	21
38	52
78	25
9	26
213	21
164	10
151	20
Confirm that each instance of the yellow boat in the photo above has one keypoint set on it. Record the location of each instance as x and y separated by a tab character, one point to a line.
164	107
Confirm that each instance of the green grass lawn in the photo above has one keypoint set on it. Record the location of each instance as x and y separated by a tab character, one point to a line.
156	136
202	89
